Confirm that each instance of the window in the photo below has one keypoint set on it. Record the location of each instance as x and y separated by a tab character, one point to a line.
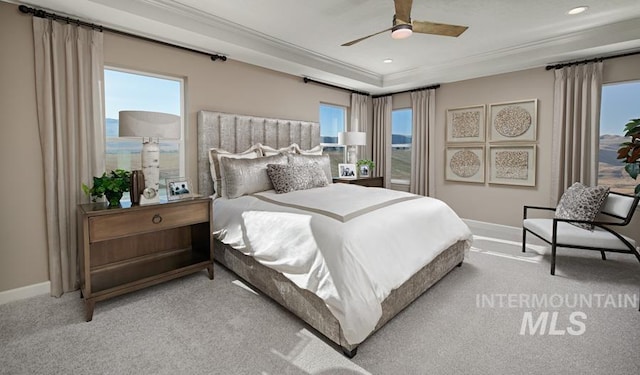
401	129
126	90
619	105
332	122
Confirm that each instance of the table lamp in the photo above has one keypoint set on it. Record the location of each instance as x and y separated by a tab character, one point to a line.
351	140
151	125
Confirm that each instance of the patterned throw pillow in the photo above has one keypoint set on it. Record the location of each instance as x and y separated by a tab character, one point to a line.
287	177
581	202
322	160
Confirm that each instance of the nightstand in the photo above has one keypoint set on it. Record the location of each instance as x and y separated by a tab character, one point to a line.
125	249
363	181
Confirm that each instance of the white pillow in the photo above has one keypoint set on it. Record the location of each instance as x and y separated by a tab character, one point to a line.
313	151
269	151
214	163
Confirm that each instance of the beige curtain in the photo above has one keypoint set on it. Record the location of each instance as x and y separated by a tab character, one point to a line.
382	108
69	76
360	109
576	127
423	106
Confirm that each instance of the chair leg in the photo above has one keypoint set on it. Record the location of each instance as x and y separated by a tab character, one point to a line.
553	259
524	239
604	257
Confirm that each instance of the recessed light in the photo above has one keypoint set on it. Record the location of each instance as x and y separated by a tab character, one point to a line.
578	10
387	61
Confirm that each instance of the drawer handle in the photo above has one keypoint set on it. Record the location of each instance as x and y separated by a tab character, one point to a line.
157	219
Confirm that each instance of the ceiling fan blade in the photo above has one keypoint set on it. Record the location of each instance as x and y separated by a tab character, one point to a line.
426	27
363	38
403	10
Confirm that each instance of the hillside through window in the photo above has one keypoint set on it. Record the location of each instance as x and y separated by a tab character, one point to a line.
401	129
619	105
126	90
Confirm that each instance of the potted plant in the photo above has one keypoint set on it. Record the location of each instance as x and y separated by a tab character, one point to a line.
369	163
111	185
629	152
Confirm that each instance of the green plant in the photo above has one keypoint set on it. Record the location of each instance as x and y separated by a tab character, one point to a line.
367	162
111	185
629	152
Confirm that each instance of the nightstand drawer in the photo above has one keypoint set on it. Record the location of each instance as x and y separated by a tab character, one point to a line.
148	219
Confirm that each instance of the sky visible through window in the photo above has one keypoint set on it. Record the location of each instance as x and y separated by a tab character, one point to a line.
620	103
128	91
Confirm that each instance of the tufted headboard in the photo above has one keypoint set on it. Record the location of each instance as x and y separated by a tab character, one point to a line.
236	133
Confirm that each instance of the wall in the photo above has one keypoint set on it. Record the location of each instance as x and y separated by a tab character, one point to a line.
229	86
236	87
23	252
502	204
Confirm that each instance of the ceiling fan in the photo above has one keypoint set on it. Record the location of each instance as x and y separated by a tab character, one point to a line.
403	27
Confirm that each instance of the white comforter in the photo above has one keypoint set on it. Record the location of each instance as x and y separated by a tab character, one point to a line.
349	255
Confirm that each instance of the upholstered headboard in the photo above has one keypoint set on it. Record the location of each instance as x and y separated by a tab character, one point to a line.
236	133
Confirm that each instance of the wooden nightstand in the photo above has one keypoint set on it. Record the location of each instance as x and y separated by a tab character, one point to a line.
363	181
125	249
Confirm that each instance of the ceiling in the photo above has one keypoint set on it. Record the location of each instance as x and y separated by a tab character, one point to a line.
304	37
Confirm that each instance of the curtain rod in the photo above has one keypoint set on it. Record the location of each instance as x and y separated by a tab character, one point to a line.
412	90
596	59
56	17
307	80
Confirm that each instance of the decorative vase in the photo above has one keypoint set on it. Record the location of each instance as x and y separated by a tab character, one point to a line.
113	198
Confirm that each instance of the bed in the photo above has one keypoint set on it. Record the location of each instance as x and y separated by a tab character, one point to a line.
344	293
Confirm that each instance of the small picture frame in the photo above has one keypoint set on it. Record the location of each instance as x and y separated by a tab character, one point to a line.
465	124
347	171
363	171
178	188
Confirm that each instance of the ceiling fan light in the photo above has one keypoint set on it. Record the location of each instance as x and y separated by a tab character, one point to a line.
401	31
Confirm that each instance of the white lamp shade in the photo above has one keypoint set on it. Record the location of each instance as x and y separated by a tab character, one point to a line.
352	138
149	124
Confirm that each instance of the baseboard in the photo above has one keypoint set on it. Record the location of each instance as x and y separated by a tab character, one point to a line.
25	292
500	231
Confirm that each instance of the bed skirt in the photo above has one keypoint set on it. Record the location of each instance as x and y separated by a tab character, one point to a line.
310	308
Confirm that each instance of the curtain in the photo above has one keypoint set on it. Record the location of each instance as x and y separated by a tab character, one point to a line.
576	127
423	106
360	121
382	107
69	76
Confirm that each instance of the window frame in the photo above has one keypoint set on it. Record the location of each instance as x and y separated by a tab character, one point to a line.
181	142
396	181
345	110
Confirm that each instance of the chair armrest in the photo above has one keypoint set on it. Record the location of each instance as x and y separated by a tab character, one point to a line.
524	214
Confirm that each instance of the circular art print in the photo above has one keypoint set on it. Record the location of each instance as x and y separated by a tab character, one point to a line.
512	121
464	163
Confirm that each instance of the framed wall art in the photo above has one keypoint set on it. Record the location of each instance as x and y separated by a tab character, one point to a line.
512	164
513	121
466	124
465	163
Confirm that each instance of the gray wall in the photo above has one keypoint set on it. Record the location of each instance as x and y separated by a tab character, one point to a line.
234	87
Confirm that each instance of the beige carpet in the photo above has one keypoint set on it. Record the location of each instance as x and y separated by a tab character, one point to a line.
197	326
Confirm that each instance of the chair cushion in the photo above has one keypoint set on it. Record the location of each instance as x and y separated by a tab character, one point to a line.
568	234
581	202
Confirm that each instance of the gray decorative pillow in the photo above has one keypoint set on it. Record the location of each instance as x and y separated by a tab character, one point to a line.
215	154
247	176
581	202
322	160
287	178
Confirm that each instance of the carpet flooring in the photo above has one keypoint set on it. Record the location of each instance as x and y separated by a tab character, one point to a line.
471	322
